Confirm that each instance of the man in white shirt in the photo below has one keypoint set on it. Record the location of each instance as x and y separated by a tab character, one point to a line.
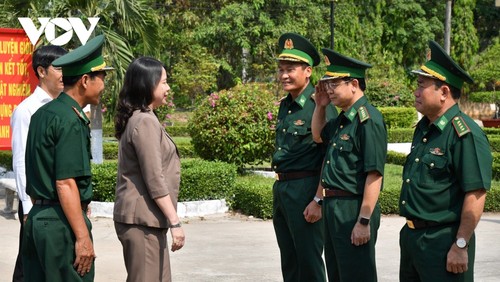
49	87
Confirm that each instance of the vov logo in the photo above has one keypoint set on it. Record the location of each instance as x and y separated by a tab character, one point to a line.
49	26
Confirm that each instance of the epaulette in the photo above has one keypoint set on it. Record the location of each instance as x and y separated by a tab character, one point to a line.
461	128
363	114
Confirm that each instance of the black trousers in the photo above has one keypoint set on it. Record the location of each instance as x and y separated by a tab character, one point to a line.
18	269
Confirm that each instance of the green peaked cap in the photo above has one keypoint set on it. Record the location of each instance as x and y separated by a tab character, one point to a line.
295	48
84	59
442	67
338	65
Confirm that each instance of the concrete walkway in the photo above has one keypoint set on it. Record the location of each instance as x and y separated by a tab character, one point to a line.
232	247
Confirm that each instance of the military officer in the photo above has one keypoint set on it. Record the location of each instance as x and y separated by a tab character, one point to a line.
445	178
297	162
351	178
57	242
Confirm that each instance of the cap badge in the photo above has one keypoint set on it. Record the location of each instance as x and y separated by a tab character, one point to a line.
345	137
299	122
436	151
288	44
327	61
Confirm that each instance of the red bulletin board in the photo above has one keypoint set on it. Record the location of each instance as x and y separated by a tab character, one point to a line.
17	78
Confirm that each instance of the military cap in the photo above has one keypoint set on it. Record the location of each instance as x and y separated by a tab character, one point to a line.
295	48
338	65
84	59
442	67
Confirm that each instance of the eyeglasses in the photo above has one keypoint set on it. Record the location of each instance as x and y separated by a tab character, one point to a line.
329	85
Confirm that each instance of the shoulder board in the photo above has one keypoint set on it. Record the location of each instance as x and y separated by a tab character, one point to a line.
363	114
461	128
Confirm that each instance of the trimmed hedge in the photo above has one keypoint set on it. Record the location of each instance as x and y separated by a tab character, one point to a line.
253	195
177	130
399	117
104	181
206	180
395	158
494	143
400	135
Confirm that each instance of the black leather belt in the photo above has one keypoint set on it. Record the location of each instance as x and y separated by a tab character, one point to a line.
337	193
285	176
46	202
420	224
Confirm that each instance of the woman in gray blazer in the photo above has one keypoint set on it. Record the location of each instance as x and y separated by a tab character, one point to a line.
148	178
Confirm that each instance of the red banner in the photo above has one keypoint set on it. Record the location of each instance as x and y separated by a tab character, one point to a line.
17	78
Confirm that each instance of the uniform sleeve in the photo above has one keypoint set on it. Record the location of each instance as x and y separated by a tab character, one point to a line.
373	142
472	161
71	153
146	139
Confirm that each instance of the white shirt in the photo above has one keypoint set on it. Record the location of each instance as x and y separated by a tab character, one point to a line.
20	122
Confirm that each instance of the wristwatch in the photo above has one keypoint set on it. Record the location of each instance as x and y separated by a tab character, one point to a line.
318	200
177	225
364	221
461	243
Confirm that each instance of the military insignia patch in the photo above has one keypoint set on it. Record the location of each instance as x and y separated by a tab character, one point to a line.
288	44
345	137
436	151
460	126
299	122
363	114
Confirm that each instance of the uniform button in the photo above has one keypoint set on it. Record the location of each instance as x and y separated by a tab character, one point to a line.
323	180
334	144
289	112
275	167
340	148
417	160
295	133
403	202
408	180
341	126
424	140
328	162
284	130
279	149
432	165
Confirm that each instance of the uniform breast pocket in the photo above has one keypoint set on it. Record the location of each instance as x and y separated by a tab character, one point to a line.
295	134
435	169
346	155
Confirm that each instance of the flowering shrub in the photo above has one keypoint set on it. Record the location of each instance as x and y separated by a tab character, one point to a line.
235	125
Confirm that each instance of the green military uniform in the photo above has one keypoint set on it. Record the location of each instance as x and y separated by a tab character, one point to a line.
357	145
58	147
449	157
300	242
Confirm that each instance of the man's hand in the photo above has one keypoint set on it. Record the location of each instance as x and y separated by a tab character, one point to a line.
178	238
360	234
457	259
84	251
312	213
321	97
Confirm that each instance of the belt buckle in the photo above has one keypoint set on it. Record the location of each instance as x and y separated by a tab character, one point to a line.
324	193
410	224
